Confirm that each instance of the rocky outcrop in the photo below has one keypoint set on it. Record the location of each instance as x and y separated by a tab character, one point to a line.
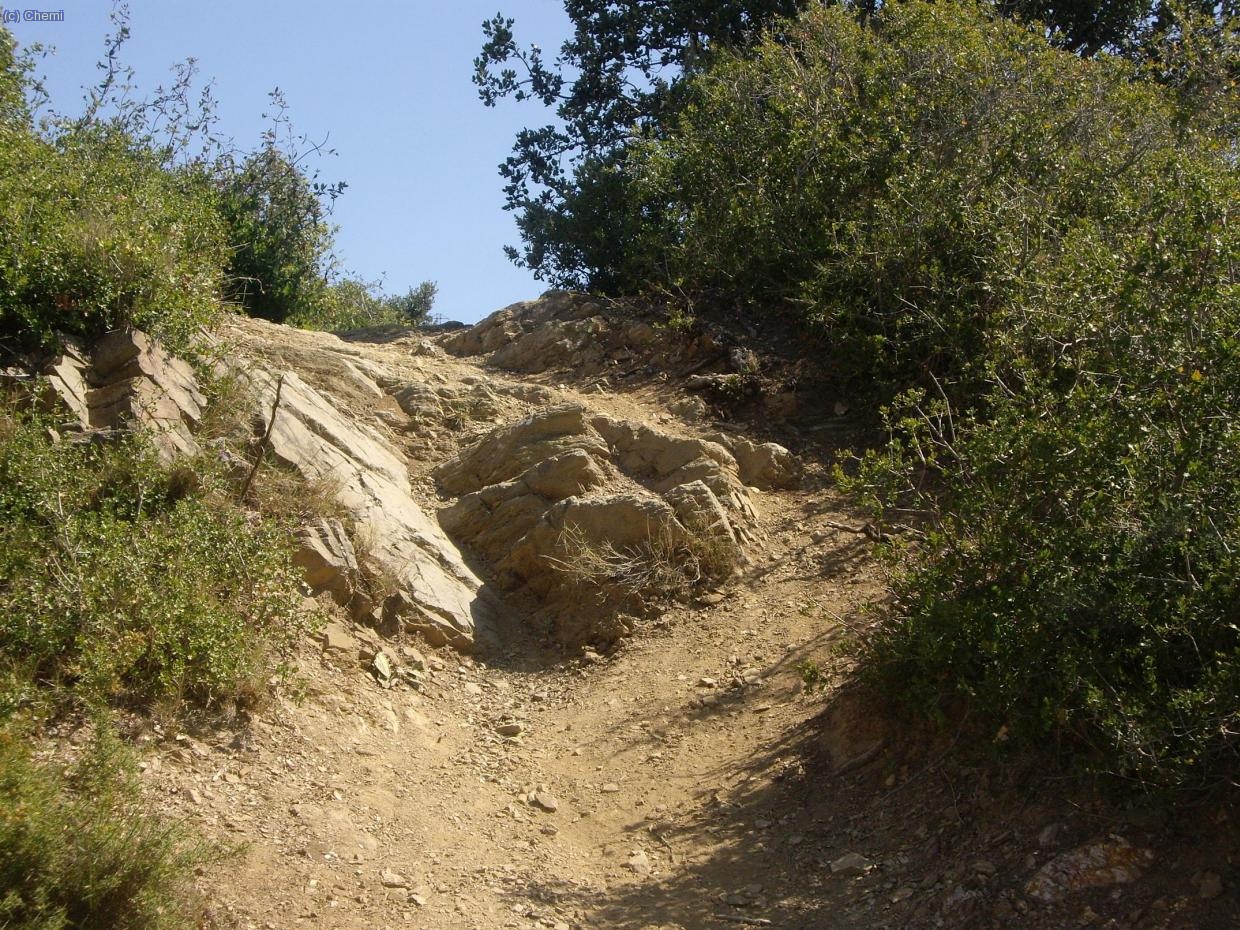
566	499
434	592
127	379
559	330
67	385
764	465
135	379
328	561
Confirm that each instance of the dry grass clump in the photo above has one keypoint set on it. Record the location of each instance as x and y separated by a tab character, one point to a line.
671	561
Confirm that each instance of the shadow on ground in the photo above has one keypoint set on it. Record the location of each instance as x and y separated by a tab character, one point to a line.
941	843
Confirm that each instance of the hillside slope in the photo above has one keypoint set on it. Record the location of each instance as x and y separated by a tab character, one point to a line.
593	756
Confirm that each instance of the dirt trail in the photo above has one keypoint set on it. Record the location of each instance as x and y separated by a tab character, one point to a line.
688	780
367	807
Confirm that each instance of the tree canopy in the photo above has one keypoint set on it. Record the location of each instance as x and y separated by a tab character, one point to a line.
620	77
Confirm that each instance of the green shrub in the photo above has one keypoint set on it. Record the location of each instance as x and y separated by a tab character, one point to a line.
127	581
78	853
892	183
351	303
1036	254
1081	575
1076	484
96	232
280	235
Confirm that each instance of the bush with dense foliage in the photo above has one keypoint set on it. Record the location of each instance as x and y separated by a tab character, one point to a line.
1040	250
1079	575
96	232
898	185
622	73
126	581
1035	254
107	219
351	303
282	241
78	853
620	70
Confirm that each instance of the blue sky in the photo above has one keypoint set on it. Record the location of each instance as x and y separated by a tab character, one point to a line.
389	81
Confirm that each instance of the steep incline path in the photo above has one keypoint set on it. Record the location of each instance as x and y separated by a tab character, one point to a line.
612	800
687	779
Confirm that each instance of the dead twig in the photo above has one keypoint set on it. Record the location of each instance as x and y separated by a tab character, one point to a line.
265	442
742	919
866	529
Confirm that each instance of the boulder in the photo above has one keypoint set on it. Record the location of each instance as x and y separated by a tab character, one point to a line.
136	380
128	379
551	345
493	519
573	532
565	475
326	558
436	592
699	510
560	330
67	385
764	465
1109	861
566	503
507	452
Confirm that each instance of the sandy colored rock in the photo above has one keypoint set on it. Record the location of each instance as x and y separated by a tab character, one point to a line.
507	452
135	379
326	558
1112	861
437	594
67	384
127	379
765	465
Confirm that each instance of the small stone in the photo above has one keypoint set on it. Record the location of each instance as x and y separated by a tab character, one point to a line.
711	599
1112	861
610	788
1049	834
511	728
391	879
544	801
639	862
708	682
982	867
337	639
850	863
901	894
472	688
381	665
1209	885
